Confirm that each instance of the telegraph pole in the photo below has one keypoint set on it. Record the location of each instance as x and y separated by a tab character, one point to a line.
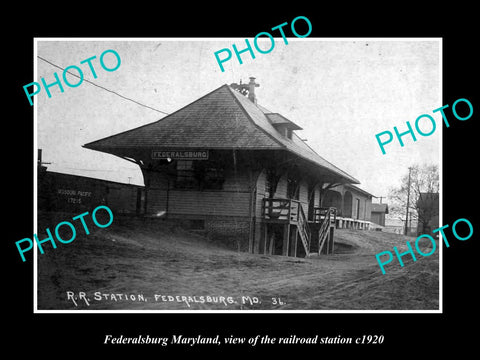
380	197
408	201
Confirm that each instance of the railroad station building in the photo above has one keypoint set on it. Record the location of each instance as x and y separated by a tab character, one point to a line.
229	167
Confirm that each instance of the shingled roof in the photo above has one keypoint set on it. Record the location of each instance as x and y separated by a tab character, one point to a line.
222	119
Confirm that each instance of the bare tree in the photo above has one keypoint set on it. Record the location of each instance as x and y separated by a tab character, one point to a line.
419	190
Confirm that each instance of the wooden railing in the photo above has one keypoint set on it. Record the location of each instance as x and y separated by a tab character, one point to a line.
304	230
281	210
319	214
327	216
288	211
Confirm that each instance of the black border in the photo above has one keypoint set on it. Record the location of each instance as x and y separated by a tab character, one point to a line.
60	335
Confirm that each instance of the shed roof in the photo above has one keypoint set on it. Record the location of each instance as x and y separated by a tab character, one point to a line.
276	119
356	188
221	119
381	208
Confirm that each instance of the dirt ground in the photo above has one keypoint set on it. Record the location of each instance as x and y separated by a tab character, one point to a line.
147	264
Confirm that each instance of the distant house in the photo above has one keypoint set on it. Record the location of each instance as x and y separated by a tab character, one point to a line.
228	166
378	213
428	212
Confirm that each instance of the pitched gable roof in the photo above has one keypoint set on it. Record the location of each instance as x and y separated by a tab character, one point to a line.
222	119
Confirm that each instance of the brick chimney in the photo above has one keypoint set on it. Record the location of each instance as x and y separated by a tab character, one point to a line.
251	90
247	90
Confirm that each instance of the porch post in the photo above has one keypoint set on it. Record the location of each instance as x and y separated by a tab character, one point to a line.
296	243
286	239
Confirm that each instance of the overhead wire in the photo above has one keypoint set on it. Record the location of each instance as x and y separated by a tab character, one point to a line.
102	87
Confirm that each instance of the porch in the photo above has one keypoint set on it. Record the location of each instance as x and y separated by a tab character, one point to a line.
284	221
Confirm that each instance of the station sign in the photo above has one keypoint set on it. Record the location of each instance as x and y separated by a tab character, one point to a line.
180	154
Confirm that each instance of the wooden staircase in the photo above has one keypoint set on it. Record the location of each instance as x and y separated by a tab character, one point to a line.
304	231
323	232
326	218
287	212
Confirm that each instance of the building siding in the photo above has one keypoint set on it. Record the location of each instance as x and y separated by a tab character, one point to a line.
378	218
261	193
368	209
281	191
317	196
156	201
303	196
232	200
236	180
209	203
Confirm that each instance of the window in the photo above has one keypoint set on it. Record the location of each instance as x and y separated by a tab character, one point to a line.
185	175
195	174
271	182
311	202
288	133
285	130
293	189
268	187
357	201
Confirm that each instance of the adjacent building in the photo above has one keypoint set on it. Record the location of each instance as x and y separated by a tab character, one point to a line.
378	213
353	206
427	212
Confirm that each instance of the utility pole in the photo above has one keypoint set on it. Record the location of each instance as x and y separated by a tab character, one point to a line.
380	197
39	160
408	201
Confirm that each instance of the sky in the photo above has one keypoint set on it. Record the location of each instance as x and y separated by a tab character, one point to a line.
342	92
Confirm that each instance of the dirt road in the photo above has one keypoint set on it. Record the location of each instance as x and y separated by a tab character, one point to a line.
151	265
